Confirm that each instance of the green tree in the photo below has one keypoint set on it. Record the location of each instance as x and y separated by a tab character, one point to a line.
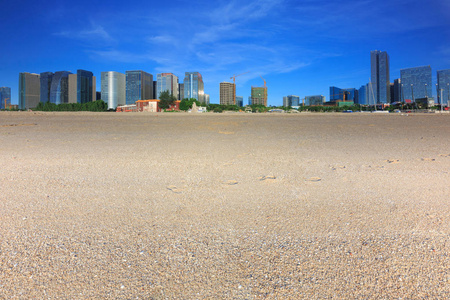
186	103
166	99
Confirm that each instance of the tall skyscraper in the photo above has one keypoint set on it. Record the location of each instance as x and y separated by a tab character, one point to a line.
443	82
167	82
181	91
227	93
193	86
337	94
362	95
5	97
82	87
59	88
46	83
314	100
113	89
85	86
259	95
139	86
379	71
291	100
240	101
416	83
29	90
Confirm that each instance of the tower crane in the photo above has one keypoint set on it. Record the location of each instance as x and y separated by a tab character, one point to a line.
234	82
264	81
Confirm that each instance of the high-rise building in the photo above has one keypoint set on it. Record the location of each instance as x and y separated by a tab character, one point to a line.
155	89
193	86
206	99
362	95
180	91
259	95
29	90
291	100
46	83
167	82
240	101
139	86
416	83
379	71
227	93
396	91
315	100
113	89
82	87
5	97
338	94
443	87
59	88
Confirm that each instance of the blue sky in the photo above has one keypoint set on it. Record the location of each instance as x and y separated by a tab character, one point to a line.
299	47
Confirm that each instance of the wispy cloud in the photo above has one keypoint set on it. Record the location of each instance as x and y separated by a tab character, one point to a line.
95	33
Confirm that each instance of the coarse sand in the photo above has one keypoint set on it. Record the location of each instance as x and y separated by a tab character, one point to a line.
224	206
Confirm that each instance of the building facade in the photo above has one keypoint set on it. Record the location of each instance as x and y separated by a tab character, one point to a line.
46	83
416	83
180	91
113	86
259	95
194	87
167	82
315	100
338	94
5	97
227	93
240	101
29	90
291	100
59	87
379	73
443	87
139	86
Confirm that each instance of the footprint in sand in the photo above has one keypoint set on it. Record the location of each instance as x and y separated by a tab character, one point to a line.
444	155
393	161
267	177
337	167
314	179
231	182
428	159
174	189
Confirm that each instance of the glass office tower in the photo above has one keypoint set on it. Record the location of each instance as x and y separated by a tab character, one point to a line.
85	86
139	86
351	94
46	83
443	87
113	88
193	86
5	97
59	88
314	100
240	101
167	82
291	100
379	71
416	83
29	90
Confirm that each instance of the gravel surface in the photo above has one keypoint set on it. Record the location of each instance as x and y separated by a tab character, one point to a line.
224	206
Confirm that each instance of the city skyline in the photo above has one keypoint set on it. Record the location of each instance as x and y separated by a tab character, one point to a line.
299	48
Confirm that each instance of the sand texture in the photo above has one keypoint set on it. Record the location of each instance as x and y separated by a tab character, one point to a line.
224	206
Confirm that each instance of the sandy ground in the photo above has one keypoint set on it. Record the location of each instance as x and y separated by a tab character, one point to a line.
224	206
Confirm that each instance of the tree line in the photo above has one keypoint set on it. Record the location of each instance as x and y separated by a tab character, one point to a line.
98	105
